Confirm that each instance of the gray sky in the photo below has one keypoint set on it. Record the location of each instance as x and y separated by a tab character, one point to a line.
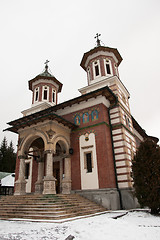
62	31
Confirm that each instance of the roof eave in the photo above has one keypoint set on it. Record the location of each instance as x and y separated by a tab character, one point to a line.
96	49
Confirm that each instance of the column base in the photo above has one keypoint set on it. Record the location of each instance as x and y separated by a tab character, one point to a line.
38	187
66	186
20	187
49	185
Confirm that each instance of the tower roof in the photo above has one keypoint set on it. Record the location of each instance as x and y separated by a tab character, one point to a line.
45	75
97	49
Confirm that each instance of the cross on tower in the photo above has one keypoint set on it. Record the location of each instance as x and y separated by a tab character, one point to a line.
46	64
98	41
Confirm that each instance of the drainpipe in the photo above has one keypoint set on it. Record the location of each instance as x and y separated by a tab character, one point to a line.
119	192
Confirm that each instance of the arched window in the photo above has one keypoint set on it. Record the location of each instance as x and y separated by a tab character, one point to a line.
53	96
96	68
45	93
108	68
89	74
36	94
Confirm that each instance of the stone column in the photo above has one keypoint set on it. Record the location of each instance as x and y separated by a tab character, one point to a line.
20	184
39	183
66	182
49	186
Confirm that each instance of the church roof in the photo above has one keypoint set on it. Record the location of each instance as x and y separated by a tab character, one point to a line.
49	113
142	131
101	48
38	117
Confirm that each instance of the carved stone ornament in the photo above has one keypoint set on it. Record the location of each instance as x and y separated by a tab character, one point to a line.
50	133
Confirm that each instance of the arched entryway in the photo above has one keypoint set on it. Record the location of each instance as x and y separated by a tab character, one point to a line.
44	166
34	166
59	165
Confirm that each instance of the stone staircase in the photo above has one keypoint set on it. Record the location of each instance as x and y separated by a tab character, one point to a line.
46	207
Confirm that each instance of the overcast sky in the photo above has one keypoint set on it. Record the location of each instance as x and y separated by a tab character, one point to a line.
62	31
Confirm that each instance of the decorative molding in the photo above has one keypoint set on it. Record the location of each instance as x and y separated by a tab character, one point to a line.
86	147
50	133
91	126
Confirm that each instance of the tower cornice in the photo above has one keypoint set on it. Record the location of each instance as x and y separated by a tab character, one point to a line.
97	49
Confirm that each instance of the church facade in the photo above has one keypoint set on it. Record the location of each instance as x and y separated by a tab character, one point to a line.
84	145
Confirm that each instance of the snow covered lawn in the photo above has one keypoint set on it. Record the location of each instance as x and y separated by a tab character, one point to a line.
134	225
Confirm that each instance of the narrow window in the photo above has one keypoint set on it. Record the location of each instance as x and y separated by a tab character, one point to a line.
53	96
108	68
89	74
129	124
27	168
89	162
45	93
36	94
97	70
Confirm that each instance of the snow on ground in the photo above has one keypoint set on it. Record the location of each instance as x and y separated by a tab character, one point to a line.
133	226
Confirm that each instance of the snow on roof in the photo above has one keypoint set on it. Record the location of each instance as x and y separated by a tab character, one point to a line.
4	174
8	181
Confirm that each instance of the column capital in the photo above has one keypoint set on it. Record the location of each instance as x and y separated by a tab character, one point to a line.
49	151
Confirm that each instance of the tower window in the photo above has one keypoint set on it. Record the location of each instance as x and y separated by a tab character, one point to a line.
89	74
88	158
53	95
108	68
97	70
45	93
36	94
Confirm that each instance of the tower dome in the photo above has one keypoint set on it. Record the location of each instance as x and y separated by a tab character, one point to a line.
45	88
100	63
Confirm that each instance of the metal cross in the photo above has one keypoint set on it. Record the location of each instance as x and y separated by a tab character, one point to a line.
46	62
98	41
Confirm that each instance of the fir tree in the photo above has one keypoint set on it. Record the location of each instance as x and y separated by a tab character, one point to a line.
146	174
7	156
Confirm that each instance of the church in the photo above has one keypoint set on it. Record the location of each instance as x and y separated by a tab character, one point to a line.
84	145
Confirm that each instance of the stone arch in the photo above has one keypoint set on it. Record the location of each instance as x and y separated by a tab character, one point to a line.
62	141
27	141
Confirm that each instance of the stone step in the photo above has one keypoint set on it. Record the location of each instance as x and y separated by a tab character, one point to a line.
47	216
53	206
46	206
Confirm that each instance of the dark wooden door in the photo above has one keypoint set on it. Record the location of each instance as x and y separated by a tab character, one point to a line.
56	173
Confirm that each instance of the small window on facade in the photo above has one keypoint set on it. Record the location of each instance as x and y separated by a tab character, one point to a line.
97	70
123	99
36	94
89	162
108	68
89	74
45	93
53	96
27	169
128	123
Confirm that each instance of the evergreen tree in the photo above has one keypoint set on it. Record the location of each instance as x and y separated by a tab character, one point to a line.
146	174
7	157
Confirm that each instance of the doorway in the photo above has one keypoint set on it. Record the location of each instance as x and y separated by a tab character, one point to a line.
56	174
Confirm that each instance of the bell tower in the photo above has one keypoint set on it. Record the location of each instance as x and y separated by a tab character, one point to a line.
45	88
101	64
